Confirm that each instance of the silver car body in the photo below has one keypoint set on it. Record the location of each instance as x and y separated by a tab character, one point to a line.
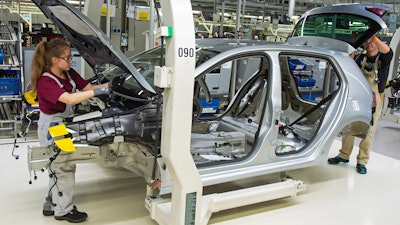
259	109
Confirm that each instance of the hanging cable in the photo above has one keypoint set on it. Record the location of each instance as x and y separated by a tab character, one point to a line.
156	182
14	147
162	38
52	174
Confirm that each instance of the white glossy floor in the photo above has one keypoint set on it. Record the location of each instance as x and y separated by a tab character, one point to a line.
335	194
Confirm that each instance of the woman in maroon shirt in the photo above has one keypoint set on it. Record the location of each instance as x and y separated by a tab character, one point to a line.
55	84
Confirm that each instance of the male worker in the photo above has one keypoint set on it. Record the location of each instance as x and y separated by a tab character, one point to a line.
374	63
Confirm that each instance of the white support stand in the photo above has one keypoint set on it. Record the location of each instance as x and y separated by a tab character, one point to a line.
217	202
233	199
187	205
177	119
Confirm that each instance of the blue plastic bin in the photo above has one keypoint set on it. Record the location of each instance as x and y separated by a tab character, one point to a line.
1	56
311	97
306	82
10	81
210	107
296	64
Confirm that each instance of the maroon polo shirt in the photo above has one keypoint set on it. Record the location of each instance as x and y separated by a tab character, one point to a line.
48	91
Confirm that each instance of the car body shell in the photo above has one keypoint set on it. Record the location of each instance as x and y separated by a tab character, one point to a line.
265	119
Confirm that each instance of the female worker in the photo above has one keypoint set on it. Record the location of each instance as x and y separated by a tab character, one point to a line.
55	84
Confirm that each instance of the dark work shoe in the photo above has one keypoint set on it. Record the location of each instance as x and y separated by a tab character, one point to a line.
361	169
48	213
73	217
337	160
47	207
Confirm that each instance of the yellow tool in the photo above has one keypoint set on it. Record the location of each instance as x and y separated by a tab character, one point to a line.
62	138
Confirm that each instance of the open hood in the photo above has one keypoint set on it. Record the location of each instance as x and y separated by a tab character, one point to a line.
93	45
351	23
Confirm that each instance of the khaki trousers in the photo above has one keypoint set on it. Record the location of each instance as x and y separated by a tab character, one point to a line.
365	144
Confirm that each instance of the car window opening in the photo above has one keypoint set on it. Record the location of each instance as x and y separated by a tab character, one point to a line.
229	125
308	85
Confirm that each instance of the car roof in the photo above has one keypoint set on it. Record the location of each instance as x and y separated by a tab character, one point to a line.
362	9
225	44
